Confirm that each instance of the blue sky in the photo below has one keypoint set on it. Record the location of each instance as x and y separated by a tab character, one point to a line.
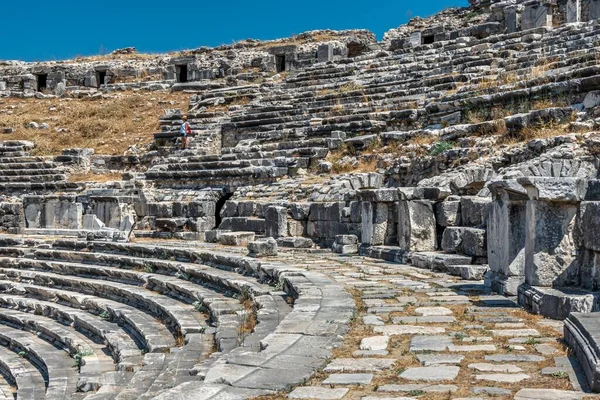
60	29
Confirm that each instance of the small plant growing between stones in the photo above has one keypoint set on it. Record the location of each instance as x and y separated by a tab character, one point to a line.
198	306
439	148
183	275
23	354
105	315
560	374
78	358
532	341
416	393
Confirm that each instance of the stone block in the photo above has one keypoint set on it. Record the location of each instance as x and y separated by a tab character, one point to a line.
474	242
416	226
263	248
594	9
474	211
325	53
557	303
415	39
346	239
295	242
296	228
236	238
549	245
33	215
213	236
452	239
345	248
92	223
276	222
447	213
536	15
555	189
326	211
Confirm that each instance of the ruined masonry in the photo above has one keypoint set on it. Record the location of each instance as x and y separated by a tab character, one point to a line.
411	218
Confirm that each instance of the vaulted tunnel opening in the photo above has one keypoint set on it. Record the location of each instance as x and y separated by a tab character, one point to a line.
182	73
219	206
42	82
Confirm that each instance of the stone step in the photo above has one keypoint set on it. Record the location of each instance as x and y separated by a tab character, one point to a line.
32	172
177	315
26	377
56	366
154	336
123	347
94	363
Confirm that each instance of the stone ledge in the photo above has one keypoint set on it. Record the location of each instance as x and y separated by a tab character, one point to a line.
582	334
557	303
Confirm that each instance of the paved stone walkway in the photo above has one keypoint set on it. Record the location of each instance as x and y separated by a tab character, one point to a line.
424	335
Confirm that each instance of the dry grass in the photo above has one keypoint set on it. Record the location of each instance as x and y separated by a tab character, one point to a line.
109	126
350	87
107	177
535	132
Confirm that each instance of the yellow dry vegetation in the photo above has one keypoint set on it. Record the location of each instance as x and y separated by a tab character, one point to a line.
109	126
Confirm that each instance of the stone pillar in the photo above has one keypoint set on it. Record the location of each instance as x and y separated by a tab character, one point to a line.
325	53
550	251
512	19
415	39
506	237
594	9
573	11
416	225
375	210
276	222
536	15
367	222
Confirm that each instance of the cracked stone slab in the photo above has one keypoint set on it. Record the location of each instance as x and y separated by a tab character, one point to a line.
433	311
515	332
428	374
319	393
504	378
548	394
348	379
429	343
469	348
392	330
360	364
442	319
427	360
413	387
505	368
374	343
514	358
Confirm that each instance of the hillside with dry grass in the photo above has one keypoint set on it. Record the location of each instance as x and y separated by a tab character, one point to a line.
109	124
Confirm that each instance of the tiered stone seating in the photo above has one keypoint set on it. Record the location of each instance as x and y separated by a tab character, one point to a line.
82	296
19	171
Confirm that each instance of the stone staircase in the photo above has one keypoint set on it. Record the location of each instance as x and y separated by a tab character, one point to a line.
21	172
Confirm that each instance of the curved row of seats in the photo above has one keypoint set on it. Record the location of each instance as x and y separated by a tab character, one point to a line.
103	320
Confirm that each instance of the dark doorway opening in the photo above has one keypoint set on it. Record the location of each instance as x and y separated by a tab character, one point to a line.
100	78
219	206
182	73
428	39
42	82
280	63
